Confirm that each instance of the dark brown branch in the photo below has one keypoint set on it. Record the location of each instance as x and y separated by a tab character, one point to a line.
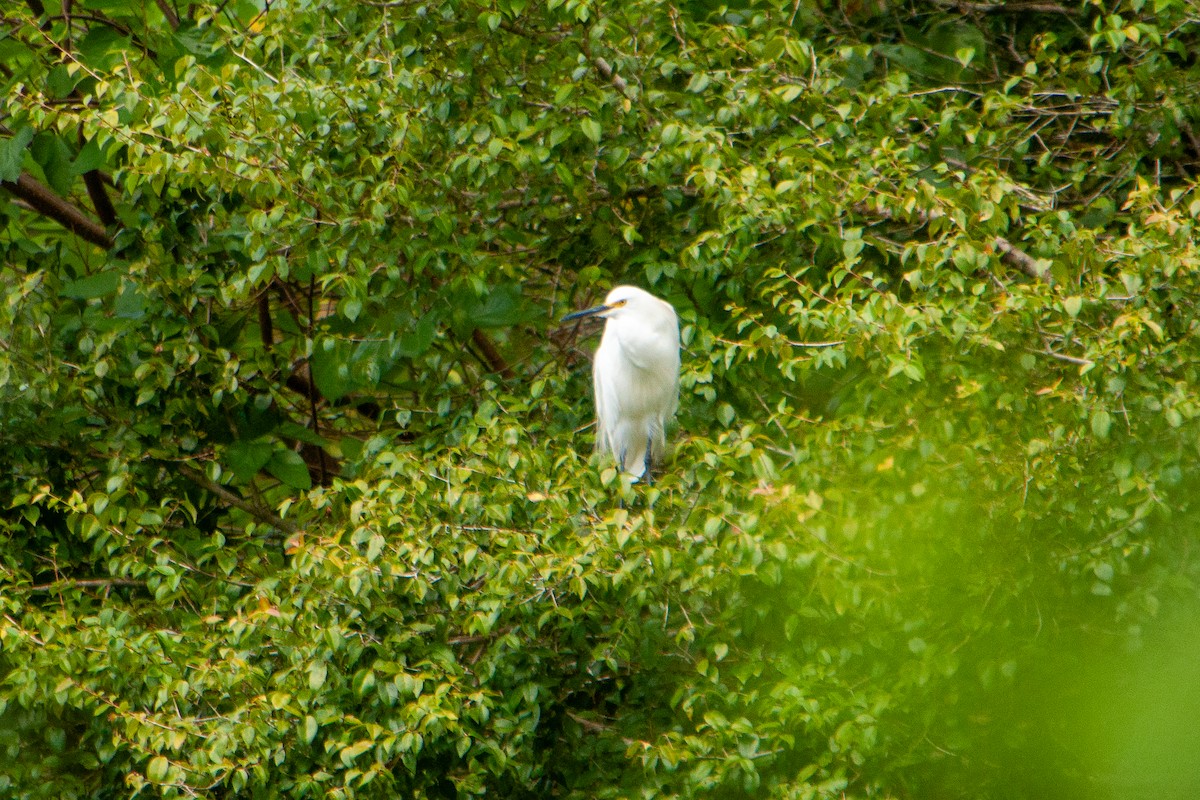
600	195
101	20
315	457
491	355
551	37
41	199
1191	137
86	583
66	15
99	196
321	465
1005	8
93	180
169	13
298	381
476	638
264	515
266	327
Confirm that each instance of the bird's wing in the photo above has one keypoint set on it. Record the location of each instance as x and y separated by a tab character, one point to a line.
606	403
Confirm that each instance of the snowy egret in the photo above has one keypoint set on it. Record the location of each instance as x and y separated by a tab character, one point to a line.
635	376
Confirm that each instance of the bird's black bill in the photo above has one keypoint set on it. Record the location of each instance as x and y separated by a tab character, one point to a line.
587	312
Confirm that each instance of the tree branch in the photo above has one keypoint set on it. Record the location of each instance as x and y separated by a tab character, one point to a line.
588	724
266	328
1083	362
491	355
100	202
263	515
41	199
604	68
169	13
1005	8
615	79
1009	253
86	583
1016	257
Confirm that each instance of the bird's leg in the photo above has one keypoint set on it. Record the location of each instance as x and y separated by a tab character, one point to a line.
649	475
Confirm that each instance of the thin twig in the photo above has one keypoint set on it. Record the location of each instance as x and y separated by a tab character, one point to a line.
1083	362
86	583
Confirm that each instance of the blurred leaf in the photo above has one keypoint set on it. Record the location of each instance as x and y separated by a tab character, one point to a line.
331	368
289	467
591	129
501	308
158	769
12	152
92	287
54	157
90	157
416	342
103	46
246	458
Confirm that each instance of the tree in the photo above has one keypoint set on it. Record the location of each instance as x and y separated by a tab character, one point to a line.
299	500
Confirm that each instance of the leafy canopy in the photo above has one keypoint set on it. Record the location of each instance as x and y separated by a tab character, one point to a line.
299	499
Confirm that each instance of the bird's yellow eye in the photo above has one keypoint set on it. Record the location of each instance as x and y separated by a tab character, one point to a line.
619	303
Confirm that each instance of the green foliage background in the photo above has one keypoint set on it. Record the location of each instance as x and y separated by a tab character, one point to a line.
298	497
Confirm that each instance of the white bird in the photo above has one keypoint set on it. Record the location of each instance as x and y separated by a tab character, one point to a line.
635	376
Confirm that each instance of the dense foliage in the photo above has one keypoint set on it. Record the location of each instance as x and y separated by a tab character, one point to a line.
298	495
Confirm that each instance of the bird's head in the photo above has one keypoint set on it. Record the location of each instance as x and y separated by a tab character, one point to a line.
623	301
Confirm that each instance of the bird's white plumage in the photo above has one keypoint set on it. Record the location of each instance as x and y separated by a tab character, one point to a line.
635	377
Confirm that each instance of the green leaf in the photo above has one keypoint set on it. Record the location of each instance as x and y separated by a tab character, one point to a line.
289	467
351	752
130	303
301	433
61	81
157	771
419	339
92	287
316	676
310	722
331	372
90	157
248	457
726	414
591	129
54	157
351	447
102	48
12	153
501	309
1101	423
